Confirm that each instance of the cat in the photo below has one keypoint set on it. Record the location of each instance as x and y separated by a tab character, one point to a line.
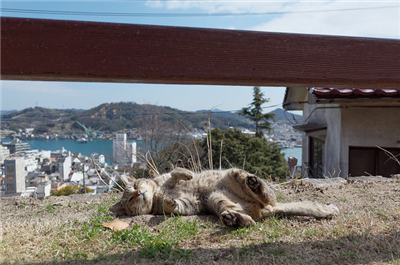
237	197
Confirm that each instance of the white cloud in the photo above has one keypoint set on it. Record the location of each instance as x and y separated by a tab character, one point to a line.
379	22
213	6
350	18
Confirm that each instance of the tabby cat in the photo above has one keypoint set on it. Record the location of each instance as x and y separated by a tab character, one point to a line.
237	197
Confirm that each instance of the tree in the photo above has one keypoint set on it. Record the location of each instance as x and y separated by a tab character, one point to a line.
254	112
253	154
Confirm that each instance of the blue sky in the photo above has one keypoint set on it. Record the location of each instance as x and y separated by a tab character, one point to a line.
363	18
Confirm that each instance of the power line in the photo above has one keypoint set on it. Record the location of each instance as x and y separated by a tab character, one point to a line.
127	14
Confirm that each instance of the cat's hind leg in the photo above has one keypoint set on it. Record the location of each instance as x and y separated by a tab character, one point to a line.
261	189
251	185
306	208
230	213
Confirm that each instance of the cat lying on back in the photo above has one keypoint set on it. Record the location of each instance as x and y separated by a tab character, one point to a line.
237	197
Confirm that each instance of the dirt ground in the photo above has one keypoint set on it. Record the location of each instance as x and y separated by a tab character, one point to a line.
63	230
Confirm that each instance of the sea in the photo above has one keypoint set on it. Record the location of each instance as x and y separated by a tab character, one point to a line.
293	152
105	147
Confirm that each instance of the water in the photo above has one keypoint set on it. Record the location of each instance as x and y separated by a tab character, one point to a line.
295	152
104	147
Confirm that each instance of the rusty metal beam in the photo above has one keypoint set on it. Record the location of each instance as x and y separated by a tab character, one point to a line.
35	49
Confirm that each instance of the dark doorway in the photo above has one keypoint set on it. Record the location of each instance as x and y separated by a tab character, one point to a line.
373	161
317	157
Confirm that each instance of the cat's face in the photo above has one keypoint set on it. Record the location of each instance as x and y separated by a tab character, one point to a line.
137	198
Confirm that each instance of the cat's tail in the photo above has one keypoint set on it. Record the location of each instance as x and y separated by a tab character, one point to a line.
306	208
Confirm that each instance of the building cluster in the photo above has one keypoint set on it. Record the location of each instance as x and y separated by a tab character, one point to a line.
36	173
27	134
282	133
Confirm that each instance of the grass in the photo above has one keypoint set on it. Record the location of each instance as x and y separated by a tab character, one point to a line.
63	230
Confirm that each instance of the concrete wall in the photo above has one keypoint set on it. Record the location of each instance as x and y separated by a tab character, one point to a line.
15	174
329	115
368	127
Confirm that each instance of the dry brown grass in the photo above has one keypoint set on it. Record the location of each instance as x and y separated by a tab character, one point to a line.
67	230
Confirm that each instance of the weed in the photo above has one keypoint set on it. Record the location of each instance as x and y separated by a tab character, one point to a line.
348	254
275	252
311	233
342	199
245	251
50	209
243	232
280	198
162	245
323	262
132	237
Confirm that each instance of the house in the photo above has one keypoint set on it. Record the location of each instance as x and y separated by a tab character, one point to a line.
346	131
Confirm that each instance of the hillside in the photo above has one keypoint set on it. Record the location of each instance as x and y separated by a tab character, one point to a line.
67	230
111	117
283	116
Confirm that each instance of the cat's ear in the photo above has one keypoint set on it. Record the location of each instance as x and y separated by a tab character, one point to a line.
117	208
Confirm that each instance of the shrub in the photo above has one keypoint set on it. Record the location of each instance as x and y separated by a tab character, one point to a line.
68	190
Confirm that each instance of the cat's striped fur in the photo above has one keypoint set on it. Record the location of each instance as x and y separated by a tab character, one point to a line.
237	197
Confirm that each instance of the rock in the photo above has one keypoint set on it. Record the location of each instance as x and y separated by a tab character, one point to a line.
365	179
324	183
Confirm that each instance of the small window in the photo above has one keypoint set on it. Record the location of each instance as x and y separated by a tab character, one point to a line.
10	168
317	157
10	188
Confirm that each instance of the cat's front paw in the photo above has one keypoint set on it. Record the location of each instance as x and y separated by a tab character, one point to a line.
169	204
229	218
236	219
182	174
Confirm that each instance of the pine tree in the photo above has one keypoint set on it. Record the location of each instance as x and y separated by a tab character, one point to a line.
240	150
254	112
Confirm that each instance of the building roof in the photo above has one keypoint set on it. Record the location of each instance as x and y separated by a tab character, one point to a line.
328	93
295	97
310	127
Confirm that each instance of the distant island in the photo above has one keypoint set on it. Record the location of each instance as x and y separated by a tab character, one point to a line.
114	117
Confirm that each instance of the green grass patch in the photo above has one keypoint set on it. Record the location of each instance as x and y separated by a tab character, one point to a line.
162	245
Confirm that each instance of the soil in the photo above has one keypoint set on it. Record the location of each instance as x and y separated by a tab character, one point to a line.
367	231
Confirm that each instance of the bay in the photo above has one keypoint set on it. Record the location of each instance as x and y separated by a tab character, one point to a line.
294	152
104	147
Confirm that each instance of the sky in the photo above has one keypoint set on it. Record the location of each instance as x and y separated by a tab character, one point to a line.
359	18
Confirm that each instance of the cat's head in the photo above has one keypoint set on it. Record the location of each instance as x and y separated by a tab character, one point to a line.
137	198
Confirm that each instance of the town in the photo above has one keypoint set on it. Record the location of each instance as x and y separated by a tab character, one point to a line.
35	173
38	173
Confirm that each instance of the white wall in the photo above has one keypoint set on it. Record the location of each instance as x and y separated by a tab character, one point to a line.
66	167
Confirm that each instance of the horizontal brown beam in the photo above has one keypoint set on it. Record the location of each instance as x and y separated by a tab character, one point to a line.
35	49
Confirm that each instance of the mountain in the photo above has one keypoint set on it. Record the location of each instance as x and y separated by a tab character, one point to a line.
112	117
6	112
285	116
